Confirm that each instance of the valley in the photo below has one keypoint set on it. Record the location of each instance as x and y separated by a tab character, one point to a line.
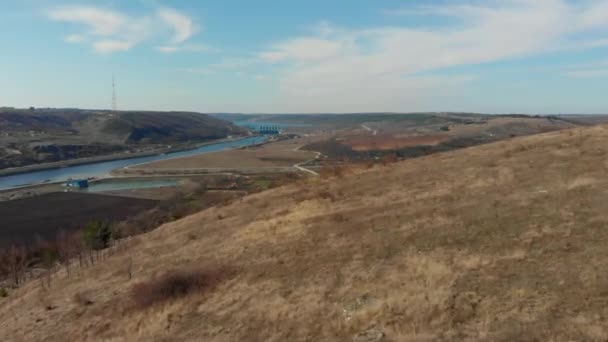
399	227
303	171
501	241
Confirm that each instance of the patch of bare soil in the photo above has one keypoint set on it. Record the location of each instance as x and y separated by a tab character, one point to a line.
499	242
25	220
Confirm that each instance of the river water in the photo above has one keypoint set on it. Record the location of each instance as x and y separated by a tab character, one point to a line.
121	184
102	169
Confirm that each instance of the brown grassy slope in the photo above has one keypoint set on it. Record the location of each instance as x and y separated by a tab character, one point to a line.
505	241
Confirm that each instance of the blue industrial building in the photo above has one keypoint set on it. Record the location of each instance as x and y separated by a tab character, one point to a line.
77	183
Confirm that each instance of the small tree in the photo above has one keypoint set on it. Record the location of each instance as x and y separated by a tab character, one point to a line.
97	235
15	261
68	247
47	256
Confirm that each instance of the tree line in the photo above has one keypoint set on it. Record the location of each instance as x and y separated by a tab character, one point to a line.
20	262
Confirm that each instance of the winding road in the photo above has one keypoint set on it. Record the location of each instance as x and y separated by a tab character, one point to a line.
374	132
299	165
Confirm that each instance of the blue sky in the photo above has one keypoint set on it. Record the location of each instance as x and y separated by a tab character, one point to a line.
499	56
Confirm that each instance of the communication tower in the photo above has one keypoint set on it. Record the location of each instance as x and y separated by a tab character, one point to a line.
114	104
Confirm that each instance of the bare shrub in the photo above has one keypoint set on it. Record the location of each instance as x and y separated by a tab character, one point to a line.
325	194
337	171
301	196
69	246
338	217
14	262
176	284
389	159
83	299
326	172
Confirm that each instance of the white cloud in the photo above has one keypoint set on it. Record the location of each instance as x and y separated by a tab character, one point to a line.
182	24
232	64
595	69
168	49
324	28
102	22
75	38
111	31
305	50
375	68
590	73
199	71
595	15
187	48
109	46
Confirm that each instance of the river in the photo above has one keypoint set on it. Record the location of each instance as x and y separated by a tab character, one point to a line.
103	169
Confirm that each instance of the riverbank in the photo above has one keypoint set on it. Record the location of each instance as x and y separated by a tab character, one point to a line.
103	169
268	157
107	158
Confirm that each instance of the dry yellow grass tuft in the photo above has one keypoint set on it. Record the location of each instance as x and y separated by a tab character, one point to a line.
499	242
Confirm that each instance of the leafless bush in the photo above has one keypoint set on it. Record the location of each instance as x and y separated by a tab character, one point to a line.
69	246
389	159
326	172
338	217
83	298
13	261
337	171
326	194
176	284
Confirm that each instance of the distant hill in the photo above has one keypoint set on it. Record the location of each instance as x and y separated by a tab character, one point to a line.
29	136
155	127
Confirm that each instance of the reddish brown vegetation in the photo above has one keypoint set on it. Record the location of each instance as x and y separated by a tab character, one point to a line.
390	142
337	171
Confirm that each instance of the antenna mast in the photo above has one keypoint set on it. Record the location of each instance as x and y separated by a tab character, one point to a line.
114	104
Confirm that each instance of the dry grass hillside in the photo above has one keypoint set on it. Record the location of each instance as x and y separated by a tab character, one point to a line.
500	242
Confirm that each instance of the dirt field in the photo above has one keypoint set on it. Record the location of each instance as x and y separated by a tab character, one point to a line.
277	154
374	140
499	242
506	126
24	219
